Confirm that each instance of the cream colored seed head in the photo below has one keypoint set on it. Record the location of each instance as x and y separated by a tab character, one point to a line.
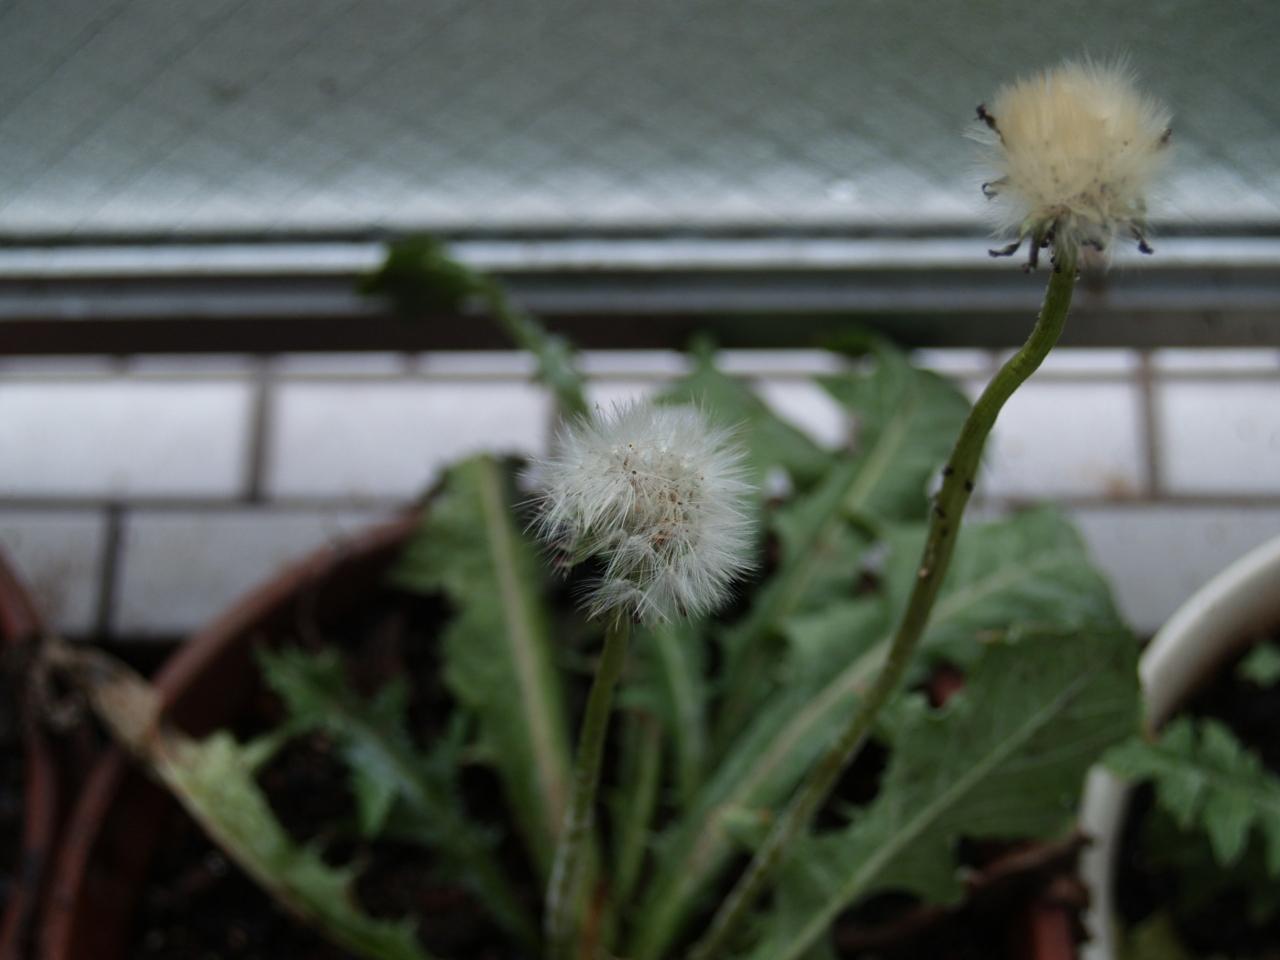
1075	149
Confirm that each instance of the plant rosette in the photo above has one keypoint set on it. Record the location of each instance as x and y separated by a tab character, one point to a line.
1233	611
716	721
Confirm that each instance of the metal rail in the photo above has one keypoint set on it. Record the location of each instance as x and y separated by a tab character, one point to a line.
626	293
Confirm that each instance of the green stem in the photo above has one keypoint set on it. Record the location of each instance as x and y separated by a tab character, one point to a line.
944	525
554	357
563	890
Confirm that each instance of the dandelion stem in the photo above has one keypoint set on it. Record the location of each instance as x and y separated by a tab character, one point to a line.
553	356
563	907
944	525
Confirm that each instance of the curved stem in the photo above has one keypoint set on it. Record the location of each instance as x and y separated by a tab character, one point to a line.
944	524
553	355
563	889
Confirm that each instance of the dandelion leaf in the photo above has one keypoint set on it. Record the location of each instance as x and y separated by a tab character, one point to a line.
1206	779
1030	571
770	441
1261	666
1004	759
906	421
214	780
387	769
497	644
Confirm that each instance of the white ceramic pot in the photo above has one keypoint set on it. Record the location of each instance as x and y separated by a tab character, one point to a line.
1225	614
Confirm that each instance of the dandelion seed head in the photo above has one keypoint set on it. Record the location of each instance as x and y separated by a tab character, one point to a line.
1074	150
661	498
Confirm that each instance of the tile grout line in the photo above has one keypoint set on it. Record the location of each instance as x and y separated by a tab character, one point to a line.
1150	420
259	430
110	565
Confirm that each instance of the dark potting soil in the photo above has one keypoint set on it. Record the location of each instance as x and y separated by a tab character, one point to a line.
1210	906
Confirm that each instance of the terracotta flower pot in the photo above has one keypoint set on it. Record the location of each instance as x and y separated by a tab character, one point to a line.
20	626
115	827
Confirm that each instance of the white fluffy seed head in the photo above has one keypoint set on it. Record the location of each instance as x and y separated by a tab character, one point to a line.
1075	149
661	498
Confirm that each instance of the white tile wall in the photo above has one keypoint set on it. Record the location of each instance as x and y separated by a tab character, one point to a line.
605	393
1208	361
1157	556
343	364
389	439
180	569
342	430
1068	439
120	437
59	554
1088	361
807	406
956	363
1219	437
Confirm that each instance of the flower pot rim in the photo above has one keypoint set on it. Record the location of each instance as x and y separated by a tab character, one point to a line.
20	623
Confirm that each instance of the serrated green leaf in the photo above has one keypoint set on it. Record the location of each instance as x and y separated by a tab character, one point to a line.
1261	665
373	739
1005	759
1202	883
669	680
370	736
907	420
1031	570
497	646
769	440
1205	778
835	634
213	779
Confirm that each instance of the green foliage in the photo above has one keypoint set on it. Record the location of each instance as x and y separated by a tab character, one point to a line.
1006	758
386	768
421	278
1202	884
1032	570
1261	666
1029	570
214	780
907	421
1205	778
720	720
770	441
669	681
497	644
